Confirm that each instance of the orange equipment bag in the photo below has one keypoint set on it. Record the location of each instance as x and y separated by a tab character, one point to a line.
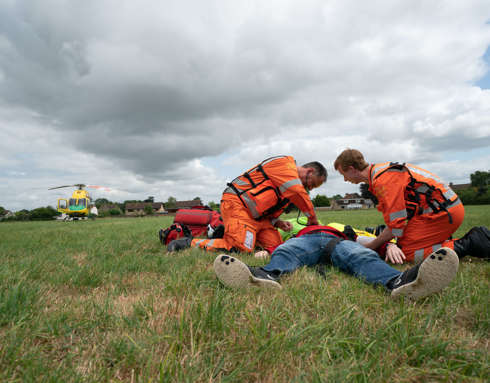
198	220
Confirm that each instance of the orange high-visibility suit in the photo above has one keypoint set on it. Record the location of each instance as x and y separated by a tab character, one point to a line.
419	208
252	203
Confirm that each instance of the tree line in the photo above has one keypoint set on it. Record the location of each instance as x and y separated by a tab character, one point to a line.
120	207
477	194
40	213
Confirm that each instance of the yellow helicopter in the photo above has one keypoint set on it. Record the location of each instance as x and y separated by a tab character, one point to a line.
78	206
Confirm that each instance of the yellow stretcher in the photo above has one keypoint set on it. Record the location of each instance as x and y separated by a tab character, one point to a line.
300	223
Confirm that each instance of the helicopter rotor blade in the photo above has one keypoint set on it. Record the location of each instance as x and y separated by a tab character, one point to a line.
64	186
80	186
103	188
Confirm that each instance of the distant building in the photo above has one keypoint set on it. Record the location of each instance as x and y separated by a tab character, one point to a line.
352	201
6	214
457	187
138	208
108	206
184	205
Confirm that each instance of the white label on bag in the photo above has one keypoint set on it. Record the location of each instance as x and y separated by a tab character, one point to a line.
249	240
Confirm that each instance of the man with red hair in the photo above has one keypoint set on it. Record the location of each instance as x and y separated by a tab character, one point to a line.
419	209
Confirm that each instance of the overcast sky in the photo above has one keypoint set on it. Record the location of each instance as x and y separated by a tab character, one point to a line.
174	98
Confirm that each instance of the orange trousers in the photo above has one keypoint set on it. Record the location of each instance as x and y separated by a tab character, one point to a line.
426	233
242	232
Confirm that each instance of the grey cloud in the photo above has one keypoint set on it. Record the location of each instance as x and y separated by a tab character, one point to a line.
150	155
147	90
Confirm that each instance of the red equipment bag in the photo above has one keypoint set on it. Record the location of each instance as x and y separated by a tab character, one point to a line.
198	219
175	231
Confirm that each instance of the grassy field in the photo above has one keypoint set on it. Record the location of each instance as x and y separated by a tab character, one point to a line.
102	301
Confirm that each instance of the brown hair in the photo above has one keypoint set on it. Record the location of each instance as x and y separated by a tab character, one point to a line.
350	157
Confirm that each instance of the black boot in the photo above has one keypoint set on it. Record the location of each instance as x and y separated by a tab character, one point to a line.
179	244
475	242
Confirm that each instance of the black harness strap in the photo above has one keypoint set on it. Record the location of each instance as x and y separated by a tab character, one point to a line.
260	168
282	202
237	192
413	197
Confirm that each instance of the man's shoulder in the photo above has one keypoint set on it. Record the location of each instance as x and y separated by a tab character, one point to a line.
280	158
284	162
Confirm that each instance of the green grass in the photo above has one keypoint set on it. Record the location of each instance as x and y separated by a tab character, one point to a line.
101	301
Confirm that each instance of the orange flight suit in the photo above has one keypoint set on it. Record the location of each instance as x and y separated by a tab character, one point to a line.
252	203
419	208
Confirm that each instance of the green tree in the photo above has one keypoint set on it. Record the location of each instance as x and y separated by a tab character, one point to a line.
2	210
150	199
213	205
148	210
473	197
43	213
171	202
101	201
22	215
480	180
320	200
337	196
122	206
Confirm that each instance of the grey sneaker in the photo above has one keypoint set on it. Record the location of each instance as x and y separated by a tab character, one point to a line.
234	273
431	276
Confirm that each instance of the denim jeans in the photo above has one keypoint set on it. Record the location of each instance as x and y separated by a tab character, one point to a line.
350	257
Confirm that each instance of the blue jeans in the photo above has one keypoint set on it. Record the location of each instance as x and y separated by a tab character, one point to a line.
350	257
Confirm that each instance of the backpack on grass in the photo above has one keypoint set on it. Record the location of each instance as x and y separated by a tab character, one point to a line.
175	231
193	223
199	220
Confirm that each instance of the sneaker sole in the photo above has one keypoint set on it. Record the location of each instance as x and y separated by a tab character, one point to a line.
234	273
435	273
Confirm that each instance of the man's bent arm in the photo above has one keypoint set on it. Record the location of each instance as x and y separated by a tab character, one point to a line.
385	236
